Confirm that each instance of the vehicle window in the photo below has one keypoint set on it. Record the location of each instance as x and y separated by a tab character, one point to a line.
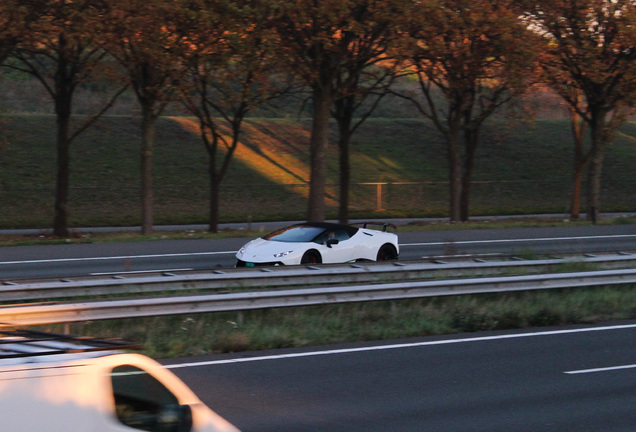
337	234
143	403
341	235
295	234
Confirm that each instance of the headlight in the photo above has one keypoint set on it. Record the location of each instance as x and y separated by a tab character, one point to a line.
282	254
242	250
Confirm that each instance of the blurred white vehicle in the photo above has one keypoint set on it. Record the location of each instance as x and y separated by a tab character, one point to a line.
320	242
57	383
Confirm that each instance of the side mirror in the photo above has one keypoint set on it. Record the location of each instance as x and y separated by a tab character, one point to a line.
332	242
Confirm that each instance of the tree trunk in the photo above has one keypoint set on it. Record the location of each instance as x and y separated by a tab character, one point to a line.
577	124
469	163
318	146
345	178
599	132
213	223
464	200
62	97
147	147
213	226
455	178
344	117
63	118
594	183
575	205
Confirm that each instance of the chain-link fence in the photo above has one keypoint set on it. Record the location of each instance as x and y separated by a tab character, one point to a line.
33	207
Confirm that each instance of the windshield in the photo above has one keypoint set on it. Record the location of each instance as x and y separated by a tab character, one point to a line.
295	234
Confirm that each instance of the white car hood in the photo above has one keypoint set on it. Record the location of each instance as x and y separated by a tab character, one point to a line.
261	250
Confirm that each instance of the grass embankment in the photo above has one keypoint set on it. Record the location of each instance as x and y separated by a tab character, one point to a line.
309	326
520	168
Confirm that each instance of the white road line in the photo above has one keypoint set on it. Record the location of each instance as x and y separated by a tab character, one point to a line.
110	258
546	239
140	271
400	346
596	370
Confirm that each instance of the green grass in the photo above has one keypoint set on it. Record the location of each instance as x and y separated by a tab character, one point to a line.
520	169
187	335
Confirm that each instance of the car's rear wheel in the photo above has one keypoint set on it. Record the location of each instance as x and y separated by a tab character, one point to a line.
311	257
387	253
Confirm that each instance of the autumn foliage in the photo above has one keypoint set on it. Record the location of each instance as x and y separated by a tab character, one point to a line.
465	61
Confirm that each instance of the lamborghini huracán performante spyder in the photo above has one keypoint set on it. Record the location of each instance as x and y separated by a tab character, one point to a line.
320	242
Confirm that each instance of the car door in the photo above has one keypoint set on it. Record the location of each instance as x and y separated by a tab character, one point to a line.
342	251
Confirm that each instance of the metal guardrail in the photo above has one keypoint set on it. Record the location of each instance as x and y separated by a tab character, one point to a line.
285	277
313	295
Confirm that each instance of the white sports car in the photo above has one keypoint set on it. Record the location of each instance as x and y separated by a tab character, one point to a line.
320	242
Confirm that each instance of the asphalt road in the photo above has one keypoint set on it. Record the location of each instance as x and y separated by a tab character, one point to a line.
549	380
58	261
557	380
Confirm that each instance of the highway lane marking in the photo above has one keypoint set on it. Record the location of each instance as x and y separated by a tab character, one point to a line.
399	346
541	239
171	255
603	369
54	260
139	271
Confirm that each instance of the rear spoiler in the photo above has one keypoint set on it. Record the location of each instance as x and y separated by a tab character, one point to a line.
384	225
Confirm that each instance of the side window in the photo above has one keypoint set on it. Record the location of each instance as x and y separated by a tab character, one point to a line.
143	403
338	234
322	238
341	235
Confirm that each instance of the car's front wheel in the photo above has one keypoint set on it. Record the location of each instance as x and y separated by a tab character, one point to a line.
387	253
311	257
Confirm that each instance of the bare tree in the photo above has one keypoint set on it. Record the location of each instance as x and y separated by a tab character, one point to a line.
61	51
591	50
350	112
328	44
230	70
581	156
138	34
471	57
